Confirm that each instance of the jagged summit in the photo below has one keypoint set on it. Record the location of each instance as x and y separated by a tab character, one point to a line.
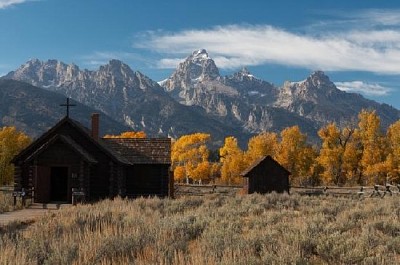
115	62
319	79
243	74
201	54
198	67
244	71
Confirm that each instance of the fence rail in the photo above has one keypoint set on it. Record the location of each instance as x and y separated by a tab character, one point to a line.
360	191
6	189
22	194
371	191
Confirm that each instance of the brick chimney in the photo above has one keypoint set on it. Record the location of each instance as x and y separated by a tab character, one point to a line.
95	125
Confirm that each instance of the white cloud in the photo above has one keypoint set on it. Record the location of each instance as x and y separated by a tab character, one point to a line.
103	57
7	3
385	17
371	89
373	50
168	63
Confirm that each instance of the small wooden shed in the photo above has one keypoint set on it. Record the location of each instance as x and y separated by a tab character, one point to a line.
266	175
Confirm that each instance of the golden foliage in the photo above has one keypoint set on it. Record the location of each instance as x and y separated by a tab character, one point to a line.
331	154
348	155
393	159
179	173
11	143
233	161
373	147
191	152
295	155
129	134
261	145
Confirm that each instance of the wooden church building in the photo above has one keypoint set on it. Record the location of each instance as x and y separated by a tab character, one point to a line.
70	157
266	175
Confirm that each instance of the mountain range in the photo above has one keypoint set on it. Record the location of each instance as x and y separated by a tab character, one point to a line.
34	110
196	98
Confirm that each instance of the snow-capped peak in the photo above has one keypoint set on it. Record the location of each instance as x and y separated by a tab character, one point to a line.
200	54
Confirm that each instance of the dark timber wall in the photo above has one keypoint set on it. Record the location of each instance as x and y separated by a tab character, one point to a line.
145	180
267	176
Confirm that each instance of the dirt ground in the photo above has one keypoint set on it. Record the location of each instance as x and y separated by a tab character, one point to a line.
29	214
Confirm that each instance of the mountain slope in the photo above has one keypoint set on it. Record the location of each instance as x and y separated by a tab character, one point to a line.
34	110
318	99
129	97
257	105
240	100
196	98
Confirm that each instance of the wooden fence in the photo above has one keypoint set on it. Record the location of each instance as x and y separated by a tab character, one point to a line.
22	195
355	191
201	190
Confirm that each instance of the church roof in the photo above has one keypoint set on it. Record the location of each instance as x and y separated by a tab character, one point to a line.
141	150
123	150
68	140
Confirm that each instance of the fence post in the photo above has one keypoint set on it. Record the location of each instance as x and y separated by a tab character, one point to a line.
23	197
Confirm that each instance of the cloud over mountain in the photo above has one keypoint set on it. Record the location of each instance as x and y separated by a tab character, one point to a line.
363	87
357	45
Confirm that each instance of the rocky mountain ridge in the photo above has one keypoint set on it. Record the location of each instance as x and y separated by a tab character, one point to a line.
197	98
252	102
128	96
35	110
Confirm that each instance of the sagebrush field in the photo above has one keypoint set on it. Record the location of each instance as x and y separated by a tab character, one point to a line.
253	229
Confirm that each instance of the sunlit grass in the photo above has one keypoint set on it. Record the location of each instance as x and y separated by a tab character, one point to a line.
7	202
253	229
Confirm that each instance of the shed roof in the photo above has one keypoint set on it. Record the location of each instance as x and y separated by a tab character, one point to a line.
259	161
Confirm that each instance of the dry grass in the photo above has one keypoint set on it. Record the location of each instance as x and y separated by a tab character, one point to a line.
7	202
213	229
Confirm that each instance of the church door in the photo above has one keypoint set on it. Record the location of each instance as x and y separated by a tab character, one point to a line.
59	184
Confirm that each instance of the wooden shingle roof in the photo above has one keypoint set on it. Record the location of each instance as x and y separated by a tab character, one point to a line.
85	132
141	150
67	140
127	151
257	162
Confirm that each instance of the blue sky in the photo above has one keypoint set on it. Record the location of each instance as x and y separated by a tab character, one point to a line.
356	43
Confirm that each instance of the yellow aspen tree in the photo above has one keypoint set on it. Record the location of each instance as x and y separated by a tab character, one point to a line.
215	171
393	159
190	151
261	145
307	168
352	160
11	143
232	160
201	171
292	154
331	153
373	147
130	134
179	173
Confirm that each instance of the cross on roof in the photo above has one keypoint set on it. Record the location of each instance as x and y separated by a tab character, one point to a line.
67	105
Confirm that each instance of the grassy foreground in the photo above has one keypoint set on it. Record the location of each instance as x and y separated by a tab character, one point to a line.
254	229
7	202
